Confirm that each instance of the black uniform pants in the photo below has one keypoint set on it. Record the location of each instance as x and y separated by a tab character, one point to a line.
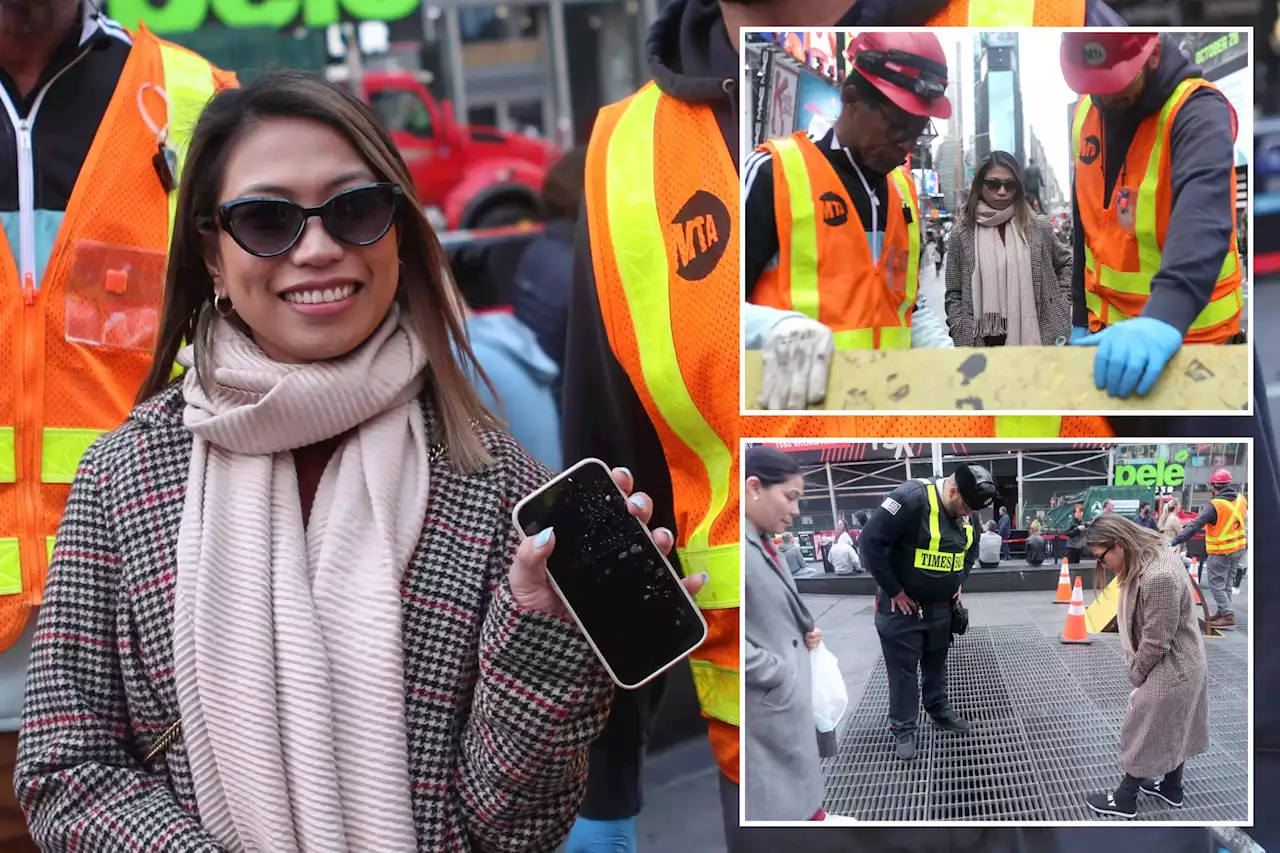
914	642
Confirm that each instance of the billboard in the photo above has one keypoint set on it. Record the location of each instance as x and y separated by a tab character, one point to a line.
818	99
185	16
783	99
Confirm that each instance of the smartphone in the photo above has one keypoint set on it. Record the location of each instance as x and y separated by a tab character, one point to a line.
617	585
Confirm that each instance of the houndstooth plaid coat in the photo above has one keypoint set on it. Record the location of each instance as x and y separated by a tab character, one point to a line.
1050	279
1167	719
502	704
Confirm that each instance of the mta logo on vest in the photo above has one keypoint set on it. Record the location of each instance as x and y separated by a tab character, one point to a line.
1090	148
699	235
834	209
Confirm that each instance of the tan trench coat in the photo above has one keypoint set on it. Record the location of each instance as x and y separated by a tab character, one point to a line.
1167	721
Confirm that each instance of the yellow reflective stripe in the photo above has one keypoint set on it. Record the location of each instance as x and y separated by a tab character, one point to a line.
8	456
968	535
1028	426
935	533
717	689
188	83
60	455
1229	541
804	228
10	567
1144	229
48	549
1077	126
1218	311
891	337
901	178
723	567
640	254
1002	13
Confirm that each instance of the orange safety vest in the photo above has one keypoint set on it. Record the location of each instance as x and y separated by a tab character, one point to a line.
992	14
1227	534
825	267
59	396
662	206
1119	265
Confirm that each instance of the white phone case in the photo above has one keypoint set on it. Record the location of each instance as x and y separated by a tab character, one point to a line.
515	520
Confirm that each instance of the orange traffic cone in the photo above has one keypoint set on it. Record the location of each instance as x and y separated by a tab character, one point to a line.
1064	584
1194	571
1076	631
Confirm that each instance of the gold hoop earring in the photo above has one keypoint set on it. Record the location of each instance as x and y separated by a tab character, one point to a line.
222	304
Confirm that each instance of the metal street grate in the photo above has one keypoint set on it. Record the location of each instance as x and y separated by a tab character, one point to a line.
1046	729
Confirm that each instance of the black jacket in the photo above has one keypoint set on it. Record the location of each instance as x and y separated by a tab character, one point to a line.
889	541
1202	161
690	57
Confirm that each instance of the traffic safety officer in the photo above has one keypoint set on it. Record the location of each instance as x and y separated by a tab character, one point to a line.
1225	540
1154	201
919	546
101	120
843	190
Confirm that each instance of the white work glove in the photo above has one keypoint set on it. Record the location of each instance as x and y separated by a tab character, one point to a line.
797	360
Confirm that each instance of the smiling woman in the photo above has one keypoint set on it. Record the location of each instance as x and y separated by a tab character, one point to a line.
336	640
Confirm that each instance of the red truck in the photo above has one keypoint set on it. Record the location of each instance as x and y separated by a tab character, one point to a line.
467	176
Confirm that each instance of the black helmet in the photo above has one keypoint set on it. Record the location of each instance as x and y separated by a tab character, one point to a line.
977	486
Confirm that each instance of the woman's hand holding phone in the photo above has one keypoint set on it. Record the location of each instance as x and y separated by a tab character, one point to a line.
529	584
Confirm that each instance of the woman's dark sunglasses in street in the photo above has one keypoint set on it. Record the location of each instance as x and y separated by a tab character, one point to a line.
266	226
1012	185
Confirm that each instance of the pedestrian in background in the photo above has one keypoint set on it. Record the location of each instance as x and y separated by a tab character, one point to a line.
1166	722
1036	550
790	553
1075	535
844	558
1004	526
280	525
1225	542
1008	277
1146	519
989	545
783	772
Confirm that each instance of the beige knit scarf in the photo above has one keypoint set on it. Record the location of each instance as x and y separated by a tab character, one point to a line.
288	659
1004	299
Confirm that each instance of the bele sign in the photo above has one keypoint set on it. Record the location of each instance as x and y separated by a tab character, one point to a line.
1159	474
184	16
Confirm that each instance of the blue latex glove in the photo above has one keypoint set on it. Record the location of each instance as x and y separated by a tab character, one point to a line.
602	836
1079	333
1131	355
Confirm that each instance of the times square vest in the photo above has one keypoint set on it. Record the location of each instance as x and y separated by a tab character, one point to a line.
941	546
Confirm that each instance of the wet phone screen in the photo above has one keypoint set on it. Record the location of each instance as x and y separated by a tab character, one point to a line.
613	577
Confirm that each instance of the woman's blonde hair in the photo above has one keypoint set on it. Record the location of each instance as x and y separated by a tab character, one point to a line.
427	291
1035	526
1141	545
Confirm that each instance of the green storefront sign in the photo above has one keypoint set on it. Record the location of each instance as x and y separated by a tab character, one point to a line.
1159	474
185	16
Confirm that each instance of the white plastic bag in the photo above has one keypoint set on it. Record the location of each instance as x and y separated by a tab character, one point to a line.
830	697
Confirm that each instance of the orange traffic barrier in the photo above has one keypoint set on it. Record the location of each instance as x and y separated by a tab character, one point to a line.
1194	571
1076	631
1064	584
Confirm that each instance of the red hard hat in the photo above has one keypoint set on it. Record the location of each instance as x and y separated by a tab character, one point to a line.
907	67
1096	63
1221	477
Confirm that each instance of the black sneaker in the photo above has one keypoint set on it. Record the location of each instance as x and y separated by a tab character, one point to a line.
1108	804
906	747
1155	787
954	724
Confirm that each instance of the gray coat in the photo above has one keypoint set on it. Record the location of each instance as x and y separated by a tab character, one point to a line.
782	772
1167	721
1050	279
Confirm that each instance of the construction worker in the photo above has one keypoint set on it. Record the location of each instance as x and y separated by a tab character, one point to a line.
1154	200
101	117
862	214
662	163
919	546
1225	540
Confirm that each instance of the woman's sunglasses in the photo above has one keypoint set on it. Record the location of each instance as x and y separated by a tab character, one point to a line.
267	227
995	185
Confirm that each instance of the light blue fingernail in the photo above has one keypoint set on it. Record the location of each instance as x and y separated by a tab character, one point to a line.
544	537
706	578
637	502
627	471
